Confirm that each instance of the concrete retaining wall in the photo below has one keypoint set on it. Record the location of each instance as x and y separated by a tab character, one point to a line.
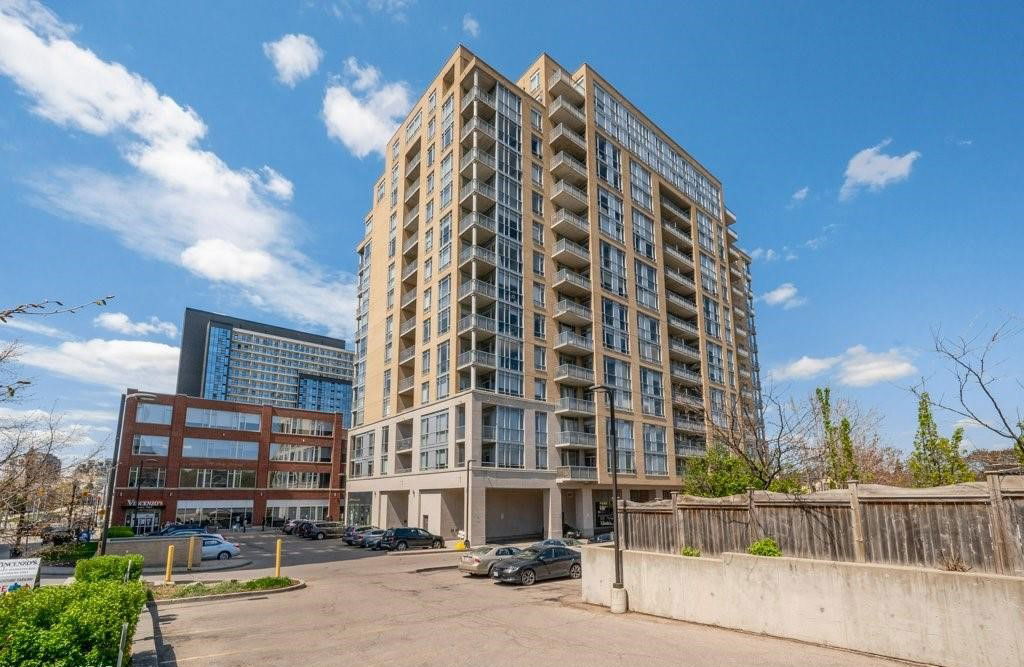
943	618
154	549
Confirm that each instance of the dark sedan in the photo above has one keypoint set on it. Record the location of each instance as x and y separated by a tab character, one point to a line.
533	564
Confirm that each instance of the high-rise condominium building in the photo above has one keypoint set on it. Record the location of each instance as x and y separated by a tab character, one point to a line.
529	239
229	359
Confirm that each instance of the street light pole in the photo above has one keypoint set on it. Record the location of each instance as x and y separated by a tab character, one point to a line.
465	502
618	605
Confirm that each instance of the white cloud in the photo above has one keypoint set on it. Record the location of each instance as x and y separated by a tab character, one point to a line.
873	169
295	57
766	254
470	25
34	327
393	8
113	363
786	295
180	198
801	194
856	367
365	113
121	323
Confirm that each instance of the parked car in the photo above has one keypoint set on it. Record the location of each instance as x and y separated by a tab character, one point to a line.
603	538
570	531
289	526
533	564
303	527
352	531
558	542
400	539
188	532
369	538
480	560
217	547
322	530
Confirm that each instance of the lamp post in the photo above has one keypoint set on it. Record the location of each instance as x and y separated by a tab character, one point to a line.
465	501
618	599
108	499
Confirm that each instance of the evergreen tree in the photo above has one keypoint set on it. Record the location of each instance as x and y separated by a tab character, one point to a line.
840	461
936	461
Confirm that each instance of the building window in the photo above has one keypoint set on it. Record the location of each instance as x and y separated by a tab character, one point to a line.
652	392
238	421
609	214
152	478
538	263
445	254
538	326
704	232
150	445
220	449
715	372
425	361
538	233
616	376
302	426
280	479
655	456
613	269
615	322
640	184
537	203
536	147
425	392
539	357
427	294
536	174
434	441
609	166
623	444
300	453
540	429
649	336
535	119
152	413
711	324
708	274
538	294
643	234
646	285
207	478
540	390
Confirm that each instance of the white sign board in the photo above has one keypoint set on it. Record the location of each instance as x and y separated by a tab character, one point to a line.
17	573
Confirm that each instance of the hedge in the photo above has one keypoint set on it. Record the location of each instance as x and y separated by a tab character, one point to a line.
120	531
68	554
108	568
68	626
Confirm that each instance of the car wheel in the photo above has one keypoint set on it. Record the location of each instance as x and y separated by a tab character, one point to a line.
575	571
527	577
223	555
320	536
437	544
401	546
490	570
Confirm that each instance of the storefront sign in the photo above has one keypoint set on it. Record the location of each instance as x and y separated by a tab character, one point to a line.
17	573
144	503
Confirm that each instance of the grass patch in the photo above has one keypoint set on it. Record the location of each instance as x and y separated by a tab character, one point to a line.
68	554
201	589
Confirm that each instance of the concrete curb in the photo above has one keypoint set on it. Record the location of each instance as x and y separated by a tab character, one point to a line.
229	596
425	552
144	653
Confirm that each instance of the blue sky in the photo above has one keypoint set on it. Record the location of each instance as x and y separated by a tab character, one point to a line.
182	154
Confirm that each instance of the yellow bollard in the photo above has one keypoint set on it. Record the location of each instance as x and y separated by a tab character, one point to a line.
170	564
277	562
460	545
191	553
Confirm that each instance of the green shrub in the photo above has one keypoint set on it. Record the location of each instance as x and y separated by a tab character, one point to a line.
764	547
108	568
68	554
690	551
67	626
120	531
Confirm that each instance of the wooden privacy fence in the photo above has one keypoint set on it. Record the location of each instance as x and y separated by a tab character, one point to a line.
981	523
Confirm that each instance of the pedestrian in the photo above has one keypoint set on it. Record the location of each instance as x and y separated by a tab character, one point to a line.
244	524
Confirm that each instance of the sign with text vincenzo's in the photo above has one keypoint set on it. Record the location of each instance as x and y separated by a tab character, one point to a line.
18	573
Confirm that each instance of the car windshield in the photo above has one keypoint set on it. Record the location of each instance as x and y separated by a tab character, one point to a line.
528	553
481	551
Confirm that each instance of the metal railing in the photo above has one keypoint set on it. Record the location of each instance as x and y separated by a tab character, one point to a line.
576	405
580	438
566	306
477	357
471	286
570	338
574	371
476	218
583	473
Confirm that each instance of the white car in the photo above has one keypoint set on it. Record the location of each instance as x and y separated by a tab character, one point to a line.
218	547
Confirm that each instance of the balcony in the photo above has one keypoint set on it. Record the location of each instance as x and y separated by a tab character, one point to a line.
408	298
478	94
412	194
576	440
672	211
484	292
476	359
412	167
483	160
563	111
564	137
411	220
475	253
690	450
488	433
571	282
406	384
573	313
569	196
742	352
576	474
678	233
410	270
674	254
740	312
570	225
680	280
408	326
574	375
407	354
571	254
485	195
680	304
567	167
483	327
679	349
410	244
679	325
686	400
688	425
684	374
741	332
477	132
571	343
560	84
403	444
575	406
482	223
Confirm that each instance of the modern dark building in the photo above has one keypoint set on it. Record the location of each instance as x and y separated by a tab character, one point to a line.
230	359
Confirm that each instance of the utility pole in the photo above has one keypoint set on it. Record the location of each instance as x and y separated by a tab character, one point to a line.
618	599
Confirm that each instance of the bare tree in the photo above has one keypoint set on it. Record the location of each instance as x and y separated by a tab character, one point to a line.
974	363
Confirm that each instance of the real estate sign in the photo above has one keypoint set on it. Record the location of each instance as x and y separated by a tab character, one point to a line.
17	573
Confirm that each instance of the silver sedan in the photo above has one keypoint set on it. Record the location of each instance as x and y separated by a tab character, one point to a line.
480	560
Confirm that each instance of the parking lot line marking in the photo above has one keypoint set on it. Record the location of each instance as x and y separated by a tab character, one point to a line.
175	661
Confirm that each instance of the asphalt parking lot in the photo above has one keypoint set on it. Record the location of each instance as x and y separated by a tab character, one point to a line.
364	607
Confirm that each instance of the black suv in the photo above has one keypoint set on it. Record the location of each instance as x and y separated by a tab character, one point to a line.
400	539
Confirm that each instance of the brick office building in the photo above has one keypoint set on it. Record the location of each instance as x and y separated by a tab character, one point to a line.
218	462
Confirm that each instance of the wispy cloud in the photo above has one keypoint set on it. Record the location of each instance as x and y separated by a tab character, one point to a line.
34	327
785	295
121	323
361	111
874	170
470	25
856	367
180	199
112	363
295	57
799	196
